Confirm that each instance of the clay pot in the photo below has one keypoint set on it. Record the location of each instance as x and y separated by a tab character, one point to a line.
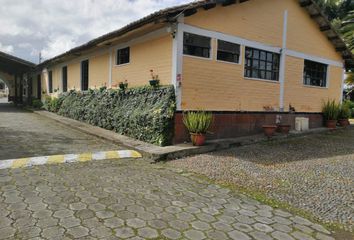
343	122
198	139
269	130
284	128
331	124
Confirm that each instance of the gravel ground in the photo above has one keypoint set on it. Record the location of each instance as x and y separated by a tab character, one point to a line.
314	173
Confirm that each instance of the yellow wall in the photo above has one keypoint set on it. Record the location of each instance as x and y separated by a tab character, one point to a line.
99	71
154	54
213	85
309	98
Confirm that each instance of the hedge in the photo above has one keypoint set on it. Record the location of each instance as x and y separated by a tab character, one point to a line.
144	113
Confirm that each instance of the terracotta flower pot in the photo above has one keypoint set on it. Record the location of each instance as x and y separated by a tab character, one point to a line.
343	122
269	130
198	139
331	124
284	128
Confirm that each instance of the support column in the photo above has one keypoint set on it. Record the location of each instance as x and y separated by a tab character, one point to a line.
21	88
177	60
283	62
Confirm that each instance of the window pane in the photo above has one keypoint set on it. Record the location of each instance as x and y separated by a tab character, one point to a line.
196	45
262	64
229	52
123	56
315	74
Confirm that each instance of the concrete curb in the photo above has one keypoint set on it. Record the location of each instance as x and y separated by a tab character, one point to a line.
68	158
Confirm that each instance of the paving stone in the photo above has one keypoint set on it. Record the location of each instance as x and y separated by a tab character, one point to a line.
237	235
216	235
179	225
113	222
171	233
84	214
320	228
157	224
124	232
222	226
301	221
321	236
69	222
281	236
136	223
282	227
27	233
7	232
52	232
242	227
194	235
262	227
47	222
101	232
104	214
63	213
147	233
78	232
256	235
199	225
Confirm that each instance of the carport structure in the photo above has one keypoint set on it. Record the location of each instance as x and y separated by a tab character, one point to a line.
13	71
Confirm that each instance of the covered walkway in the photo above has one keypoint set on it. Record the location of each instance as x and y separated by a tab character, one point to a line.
13	71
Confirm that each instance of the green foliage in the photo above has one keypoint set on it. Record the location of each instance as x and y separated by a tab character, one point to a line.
144	113
52	104
344	111
330	110
36	103
350	105
198	121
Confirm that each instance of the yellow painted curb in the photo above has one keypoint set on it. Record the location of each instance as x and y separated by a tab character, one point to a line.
68	158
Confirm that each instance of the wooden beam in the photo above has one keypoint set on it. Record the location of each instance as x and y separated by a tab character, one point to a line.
228	2
190	12
209	6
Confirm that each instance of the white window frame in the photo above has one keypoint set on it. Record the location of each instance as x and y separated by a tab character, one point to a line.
258	79
197	57
221	61
327	75
116	56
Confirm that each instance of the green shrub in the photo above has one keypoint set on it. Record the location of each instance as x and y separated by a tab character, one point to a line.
143	113
330	110
344	111
52	104
37	104
197	121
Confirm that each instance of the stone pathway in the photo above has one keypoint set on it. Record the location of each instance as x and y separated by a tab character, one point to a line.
314	173
132	199
25	134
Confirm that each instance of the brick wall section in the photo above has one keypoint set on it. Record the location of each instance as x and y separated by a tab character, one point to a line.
237	124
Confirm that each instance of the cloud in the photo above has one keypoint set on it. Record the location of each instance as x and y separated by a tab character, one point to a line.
53	27
6	48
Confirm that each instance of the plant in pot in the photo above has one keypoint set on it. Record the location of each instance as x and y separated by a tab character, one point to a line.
330	111
123	85
344	114
197	123
155	81
269	129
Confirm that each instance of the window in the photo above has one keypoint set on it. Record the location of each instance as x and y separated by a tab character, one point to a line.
315	74
228	52
123	56
84	75
261	64
50	82
65	78
39	86
196	45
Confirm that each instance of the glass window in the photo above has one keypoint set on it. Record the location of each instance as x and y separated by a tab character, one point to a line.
50	82
196	45
228	52
261	64
123	56
84	75
315	74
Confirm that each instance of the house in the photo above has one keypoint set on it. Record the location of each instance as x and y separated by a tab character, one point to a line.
248	61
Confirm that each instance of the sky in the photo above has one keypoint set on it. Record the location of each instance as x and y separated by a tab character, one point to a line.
55	26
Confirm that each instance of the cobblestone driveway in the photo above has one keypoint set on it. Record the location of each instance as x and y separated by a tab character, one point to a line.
314	173
25	134
134	200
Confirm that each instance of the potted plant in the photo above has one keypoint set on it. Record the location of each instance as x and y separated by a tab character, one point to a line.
269	130
330	110
344	114
197	123
284	128
123	85
155	81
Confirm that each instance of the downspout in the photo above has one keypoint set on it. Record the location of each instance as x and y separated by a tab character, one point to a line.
283	62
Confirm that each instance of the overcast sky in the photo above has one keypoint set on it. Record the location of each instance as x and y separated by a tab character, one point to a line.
55	26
